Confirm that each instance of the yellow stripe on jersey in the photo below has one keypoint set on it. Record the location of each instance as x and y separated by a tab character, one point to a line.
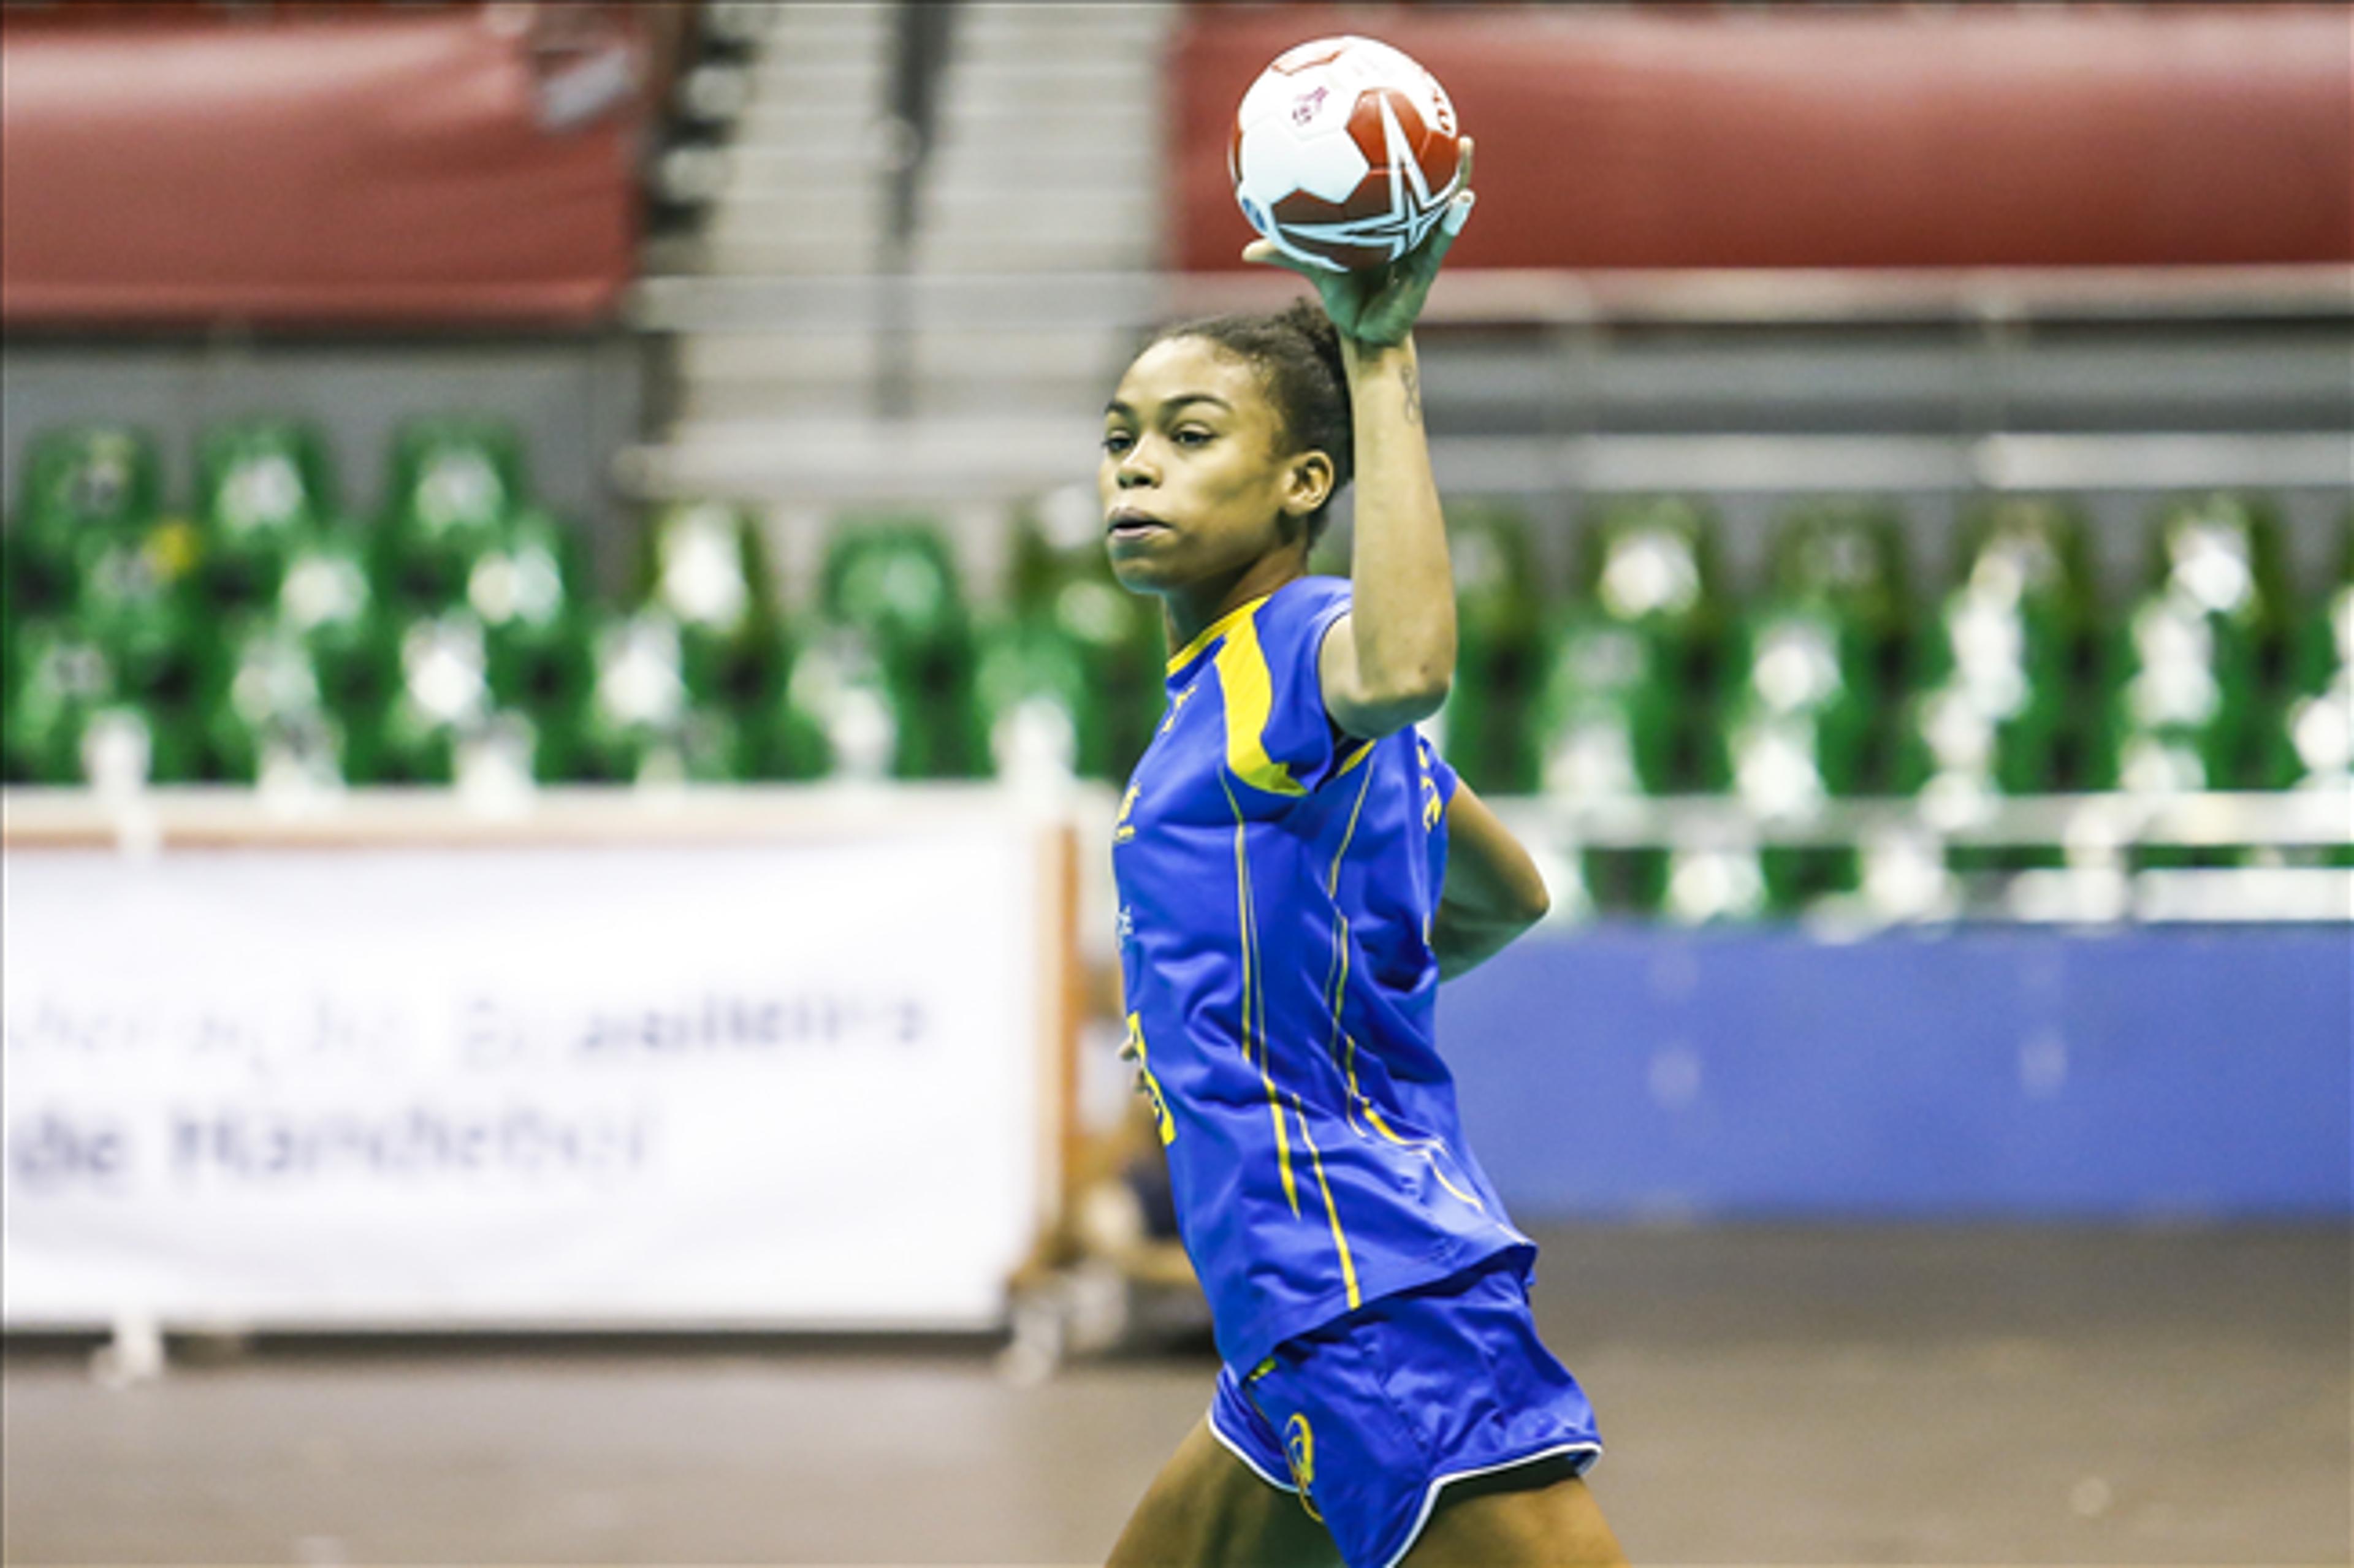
1212	632
1337	977
1250	698
1339	980
1253	1004
1340	1239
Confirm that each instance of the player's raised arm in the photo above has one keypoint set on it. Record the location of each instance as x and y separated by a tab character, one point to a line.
1389	662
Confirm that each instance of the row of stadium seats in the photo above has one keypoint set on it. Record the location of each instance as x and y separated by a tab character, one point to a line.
264	632
1840	678
266	636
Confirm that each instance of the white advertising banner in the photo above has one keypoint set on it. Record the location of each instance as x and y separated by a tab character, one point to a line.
762	1083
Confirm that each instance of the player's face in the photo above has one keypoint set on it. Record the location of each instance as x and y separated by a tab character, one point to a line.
1197	482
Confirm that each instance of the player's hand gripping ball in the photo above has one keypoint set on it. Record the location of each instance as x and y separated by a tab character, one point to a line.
1345	154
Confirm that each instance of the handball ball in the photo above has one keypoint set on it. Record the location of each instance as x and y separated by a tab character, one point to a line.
1344	152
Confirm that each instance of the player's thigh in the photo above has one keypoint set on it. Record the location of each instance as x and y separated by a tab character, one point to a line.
1207	1510
1538	1516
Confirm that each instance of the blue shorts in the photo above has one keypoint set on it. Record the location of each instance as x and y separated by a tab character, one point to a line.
1367	1416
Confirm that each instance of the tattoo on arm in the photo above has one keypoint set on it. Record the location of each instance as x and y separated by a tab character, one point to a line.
1412	385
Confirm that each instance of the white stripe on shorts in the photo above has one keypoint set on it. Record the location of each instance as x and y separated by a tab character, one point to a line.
1239	1452
1430	1497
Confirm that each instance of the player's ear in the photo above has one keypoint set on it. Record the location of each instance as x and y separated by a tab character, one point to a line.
1306	483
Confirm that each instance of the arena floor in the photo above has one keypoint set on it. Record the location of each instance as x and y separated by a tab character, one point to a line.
1848	1396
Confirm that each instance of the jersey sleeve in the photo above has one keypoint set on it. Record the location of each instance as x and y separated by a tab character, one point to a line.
1280	740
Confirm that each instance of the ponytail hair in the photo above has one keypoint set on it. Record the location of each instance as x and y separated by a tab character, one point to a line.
1296	352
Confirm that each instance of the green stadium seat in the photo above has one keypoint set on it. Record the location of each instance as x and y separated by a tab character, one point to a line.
1798	724
1119	637
525	589
2321	645
457	473
442	695
1803	722
36	576
74	719
1043	714
784	739
1610	723
267	720
2008	652
2171	666
136	574
705	565
14	630
1061	591
1955	753
1499	644
263	487
839	690
892	579
327	601
2308	740
456	486
2223	553
1652	566
891	585
1800	657
57	678
1848	557
1608	717
134	604
264	474
642	722
2030	550
1652	560
95	476
2180	705
1057	541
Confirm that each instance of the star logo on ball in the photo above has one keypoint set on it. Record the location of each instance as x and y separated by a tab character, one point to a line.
1412	210
1383	227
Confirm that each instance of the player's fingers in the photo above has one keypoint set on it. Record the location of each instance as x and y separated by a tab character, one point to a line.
1463	165
1422	266
1458	213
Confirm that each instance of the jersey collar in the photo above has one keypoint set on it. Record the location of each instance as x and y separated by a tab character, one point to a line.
1211	634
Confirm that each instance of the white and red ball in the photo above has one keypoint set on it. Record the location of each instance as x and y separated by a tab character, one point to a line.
1344	152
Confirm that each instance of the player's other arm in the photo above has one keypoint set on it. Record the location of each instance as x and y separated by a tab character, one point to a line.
1493	890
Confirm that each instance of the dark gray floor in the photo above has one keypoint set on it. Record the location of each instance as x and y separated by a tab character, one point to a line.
1849	1396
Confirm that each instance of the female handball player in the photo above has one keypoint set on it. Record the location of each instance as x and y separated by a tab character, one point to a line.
1298	870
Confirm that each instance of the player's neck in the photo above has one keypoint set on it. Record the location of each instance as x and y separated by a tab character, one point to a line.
1186	611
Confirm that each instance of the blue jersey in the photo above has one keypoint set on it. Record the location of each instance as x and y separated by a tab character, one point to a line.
1276	883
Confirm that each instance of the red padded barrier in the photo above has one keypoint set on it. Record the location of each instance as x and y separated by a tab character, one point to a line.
1881	136
351	166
